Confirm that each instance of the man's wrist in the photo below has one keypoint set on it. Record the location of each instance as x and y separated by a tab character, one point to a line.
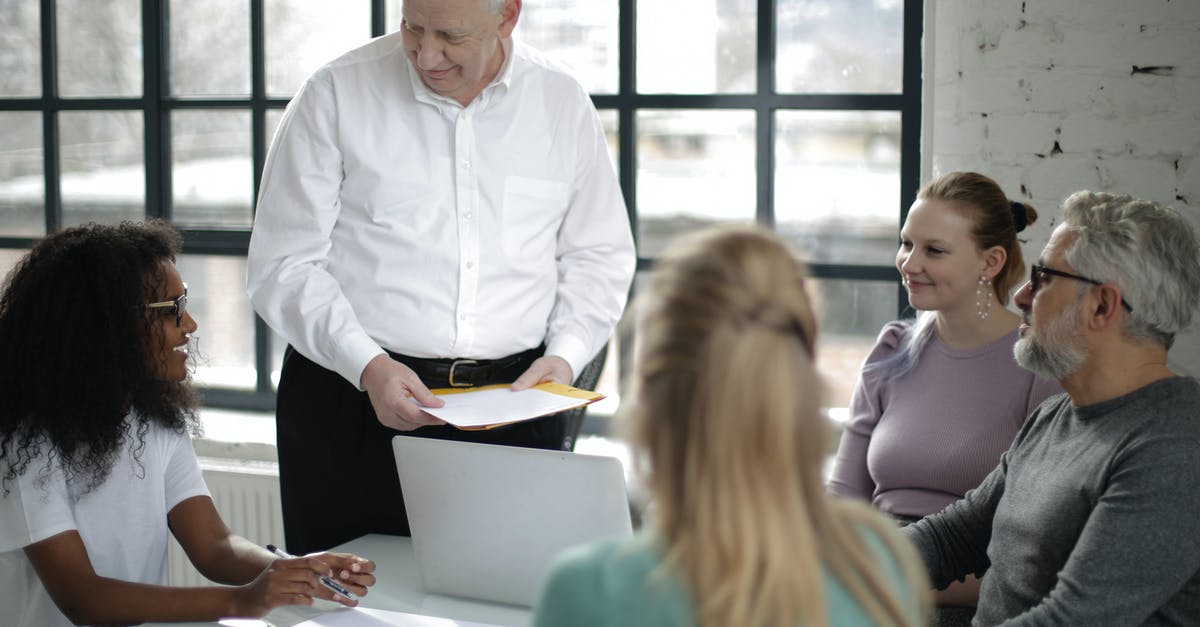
368	371
571	350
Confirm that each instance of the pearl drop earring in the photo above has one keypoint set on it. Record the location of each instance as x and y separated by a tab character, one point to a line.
983	299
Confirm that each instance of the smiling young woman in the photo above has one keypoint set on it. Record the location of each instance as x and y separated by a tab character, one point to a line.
940	397
97	469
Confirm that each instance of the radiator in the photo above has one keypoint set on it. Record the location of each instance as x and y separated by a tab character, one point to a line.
246	494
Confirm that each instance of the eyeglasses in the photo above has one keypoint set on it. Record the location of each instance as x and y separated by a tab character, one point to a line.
178	306
1038	274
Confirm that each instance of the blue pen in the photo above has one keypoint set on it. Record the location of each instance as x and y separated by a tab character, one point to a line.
329	583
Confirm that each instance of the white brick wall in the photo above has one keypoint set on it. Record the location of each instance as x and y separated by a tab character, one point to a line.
1042	96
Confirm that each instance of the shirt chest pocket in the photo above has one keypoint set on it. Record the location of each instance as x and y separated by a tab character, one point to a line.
533	210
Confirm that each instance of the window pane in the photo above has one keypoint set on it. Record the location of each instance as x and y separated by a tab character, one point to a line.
99	48
609	383
615	378
612	125
695	168
303	35
210	48
395	14
20	49
580	33
850	314
837	183
217	300
9	258
103	168
706	47
850	46
212	171
272	123
22	186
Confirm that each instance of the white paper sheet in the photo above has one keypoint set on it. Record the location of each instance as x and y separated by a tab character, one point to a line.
490	406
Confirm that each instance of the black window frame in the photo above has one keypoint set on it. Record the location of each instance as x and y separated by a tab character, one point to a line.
156	103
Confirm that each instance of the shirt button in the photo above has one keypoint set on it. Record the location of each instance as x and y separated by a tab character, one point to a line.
467	164
462	316
467	215
470	264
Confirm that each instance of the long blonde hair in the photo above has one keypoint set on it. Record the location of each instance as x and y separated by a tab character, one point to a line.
726	415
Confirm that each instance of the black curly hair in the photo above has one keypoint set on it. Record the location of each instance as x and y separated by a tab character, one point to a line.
74	343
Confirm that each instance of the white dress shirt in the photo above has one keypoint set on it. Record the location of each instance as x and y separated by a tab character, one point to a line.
393	218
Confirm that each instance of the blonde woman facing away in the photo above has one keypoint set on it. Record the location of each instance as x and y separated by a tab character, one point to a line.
725	417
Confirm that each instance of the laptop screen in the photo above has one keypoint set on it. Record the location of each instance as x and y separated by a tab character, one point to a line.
487	521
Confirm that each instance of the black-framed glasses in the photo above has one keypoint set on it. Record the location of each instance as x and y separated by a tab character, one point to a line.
177	305
1037	275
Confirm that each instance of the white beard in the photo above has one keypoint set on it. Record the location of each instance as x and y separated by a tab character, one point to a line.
1055	352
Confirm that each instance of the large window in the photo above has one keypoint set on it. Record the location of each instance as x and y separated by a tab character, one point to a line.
801	115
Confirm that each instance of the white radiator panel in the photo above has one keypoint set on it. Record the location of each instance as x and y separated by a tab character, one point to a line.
246	494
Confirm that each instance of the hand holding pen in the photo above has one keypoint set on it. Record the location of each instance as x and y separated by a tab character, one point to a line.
325	581
293	580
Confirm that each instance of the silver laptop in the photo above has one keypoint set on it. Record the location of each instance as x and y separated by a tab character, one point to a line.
488	520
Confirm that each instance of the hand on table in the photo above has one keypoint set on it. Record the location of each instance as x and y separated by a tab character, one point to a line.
296	581
392	388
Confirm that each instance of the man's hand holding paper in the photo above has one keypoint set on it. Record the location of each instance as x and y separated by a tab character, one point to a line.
392	388
548	369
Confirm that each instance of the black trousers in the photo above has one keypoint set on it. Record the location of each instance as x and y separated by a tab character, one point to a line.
337	472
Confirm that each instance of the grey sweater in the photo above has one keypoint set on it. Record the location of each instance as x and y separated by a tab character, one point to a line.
1091	518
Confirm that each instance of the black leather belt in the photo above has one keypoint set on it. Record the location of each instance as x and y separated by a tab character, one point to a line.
461	373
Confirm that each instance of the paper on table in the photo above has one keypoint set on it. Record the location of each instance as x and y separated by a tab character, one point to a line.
364	616
494	405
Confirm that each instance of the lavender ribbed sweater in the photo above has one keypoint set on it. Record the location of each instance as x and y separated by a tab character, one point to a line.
919	443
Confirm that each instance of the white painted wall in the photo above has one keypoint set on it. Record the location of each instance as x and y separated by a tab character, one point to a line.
1043	96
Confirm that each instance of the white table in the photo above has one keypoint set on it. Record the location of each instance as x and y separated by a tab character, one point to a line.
398	588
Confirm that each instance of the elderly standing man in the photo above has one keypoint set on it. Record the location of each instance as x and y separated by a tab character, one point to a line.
1091	518
438	209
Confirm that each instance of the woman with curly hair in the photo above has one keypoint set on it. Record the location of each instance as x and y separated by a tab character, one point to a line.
96	460
726	414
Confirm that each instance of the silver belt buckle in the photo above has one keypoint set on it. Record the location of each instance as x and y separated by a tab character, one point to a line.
456	364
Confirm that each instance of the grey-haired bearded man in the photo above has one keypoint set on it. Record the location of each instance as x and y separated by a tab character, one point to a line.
1091	518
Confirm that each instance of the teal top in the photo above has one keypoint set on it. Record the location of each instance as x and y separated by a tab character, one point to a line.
616	582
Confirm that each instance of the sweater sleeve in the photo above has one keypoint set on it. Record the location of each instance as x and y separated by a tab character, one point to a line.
850	477
953	543
1140	545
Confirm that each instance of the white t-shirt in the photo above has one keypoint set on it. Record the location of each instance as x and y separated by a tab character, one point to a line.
123	522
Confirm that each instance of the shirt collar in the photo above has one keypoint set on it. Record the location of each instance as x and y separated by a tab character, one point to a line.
503	79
